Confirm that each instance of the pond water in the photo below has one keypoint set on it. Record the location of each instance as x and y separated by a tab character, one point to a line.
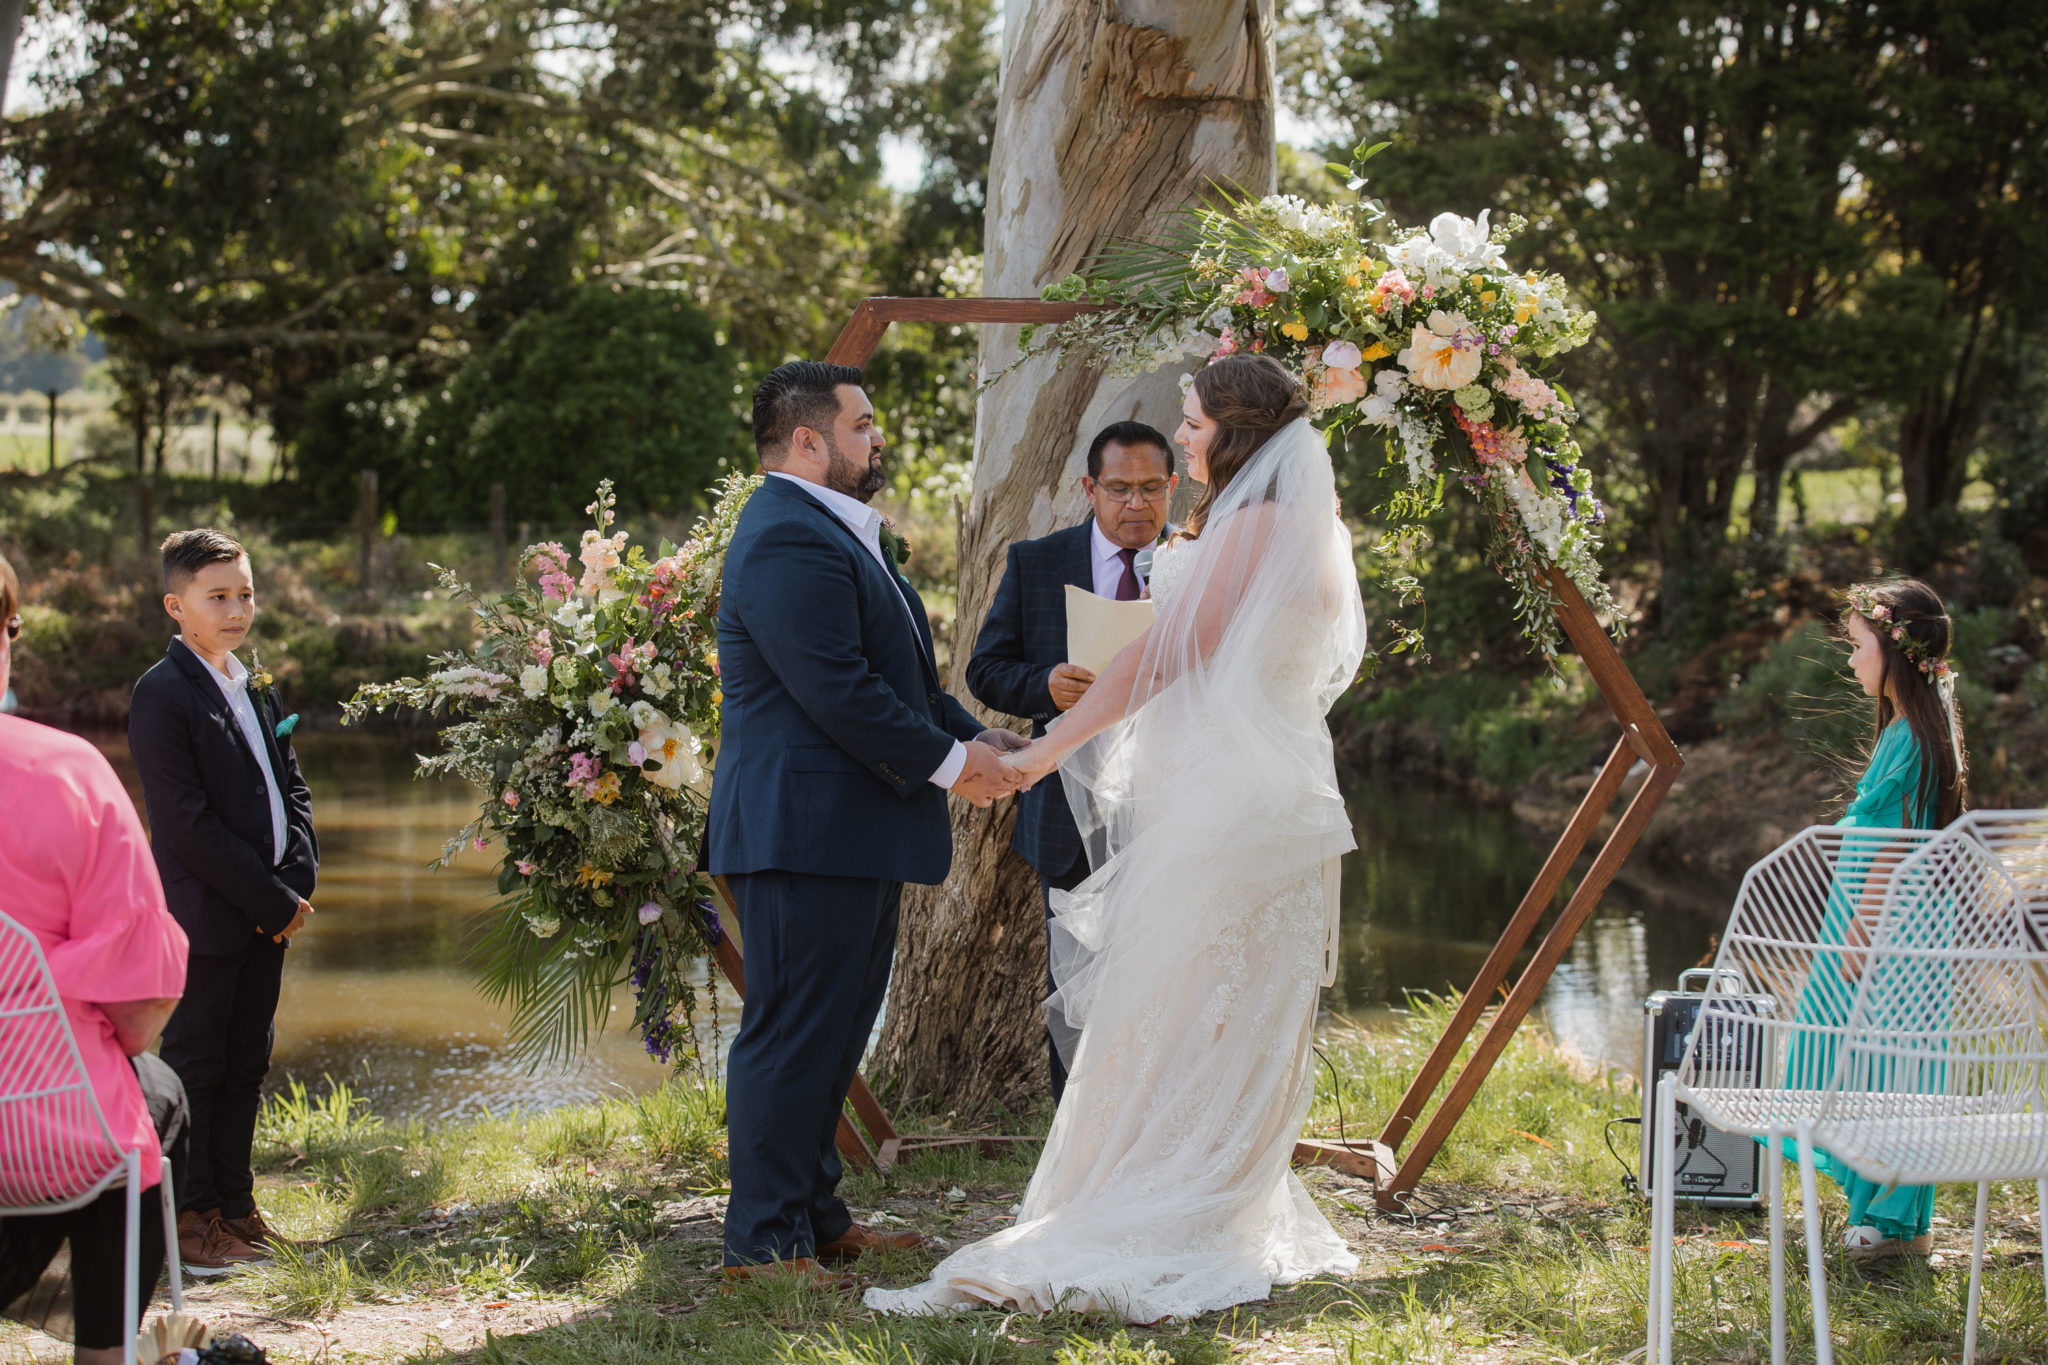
377	991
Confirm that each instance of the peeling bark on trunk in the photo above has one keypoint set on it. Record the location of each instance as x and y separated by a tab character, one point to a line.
1111	117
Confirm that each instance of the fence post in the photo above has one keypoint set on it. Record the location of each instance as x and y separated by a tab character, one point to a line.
498	534
52	393
366	518
216	445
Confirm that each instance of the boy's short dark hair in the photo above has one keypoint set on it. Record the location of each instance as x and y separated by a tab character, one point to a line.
1128	434
803	393
187	552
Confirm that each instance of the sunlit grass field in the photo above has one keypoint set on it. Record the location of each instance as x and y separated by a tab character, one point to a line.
1523	1246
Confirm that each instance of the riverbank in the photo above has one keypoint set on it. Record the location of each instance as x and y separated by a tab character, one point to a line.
591	1233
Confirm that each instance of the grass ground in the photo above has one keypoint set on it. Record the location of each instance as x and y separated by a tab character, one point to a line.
591	1234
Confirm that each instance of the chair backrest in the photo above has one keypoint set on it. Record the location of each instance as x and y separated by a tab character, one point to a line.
1946	1052
1785	979
55	1143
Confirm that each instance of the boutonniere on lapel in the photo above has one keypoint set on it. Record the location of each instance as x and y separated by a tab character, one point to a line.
895	546
264	687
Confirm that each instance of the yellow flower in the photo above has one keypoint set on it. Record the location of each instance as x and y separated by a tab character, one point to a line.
1296	329
1477	280
1489	296
1524	310
607	789
1376	351
588	876
1353	282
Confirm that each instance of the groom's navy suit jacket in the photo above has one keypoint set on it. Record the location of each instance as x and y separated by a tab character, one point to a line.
833	717
1024	636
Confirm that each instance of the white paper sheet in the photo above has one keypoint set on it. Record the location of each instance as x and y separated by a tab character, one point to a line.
1097	627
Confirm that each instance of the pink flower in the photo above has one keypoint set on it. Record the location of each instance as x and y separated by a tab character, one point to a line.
1393	283
542	647
1342	355
480	843
1339	385
1227	343
510	798
555	582
649	912
637	752
526	869
1277	281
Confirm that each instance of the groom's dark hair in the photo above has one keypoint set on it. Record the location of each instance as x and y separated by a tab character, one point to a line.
803	393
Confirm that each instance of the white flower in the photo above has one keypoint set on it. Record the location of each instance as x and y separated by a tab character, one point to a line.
677	752
568	617
1444	354
657	681
565	669
470	681
1465	242
1418	447
1342	355
602	701
645	715
1541	513
1277	281
533	681
1187	381
1217	320
1294	215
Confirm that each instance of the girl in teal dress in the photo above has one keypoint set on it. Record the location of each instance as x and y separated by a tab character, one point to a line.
1899	636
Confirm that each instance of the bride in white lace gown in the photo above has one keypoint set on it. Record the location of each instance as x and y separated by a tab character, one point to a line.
1200	771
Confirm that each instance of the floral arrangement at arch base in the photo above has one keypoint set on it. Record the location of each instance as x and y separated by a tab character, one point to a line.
1426	336
587	714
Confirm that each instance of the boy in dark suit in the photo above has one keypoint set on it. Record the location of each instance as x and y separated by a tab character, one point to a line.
231	825
1019	665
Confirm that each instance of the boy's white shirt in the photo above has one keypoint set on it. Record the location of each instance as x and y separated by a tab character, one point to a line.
234	685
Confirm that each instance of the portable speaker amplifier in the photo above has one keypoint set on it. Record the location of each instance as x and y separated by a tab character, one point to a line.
1716	1169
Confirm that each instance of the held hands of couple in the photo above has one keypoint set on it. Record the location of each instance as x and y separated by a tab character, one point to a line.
985	776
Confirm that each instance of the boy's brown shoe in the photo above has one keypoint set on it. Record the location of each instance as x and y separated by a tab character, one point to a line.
256	1232
206	1246
800	1268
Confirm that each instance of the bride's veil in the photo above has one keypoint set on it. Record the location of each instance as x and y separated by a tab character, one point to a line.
1217	790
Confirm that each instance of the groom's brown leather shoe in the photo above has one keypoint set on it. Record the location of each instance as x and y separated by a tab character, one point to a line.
860	1237
801	1268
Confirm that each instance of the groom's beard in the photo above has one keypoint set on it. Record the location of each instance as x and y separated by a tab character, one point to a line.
855	477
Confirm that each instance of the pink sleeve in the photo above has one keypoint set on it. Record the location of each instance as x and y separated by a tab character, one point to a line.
122	943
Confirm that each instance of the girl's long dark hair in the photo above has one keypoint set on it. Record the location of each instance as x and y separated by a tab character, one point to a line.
1910	693
1249	397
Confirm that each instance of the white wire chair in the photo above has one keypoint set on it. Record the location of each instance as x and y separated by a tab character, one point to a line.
57	1151
1912	1052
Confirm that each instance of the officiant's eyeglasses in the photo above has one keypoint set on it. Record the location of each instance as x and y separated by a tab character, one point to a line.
1152	490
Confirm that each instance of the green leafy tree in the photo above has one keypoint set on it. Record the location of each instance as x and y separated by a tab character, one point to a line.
1687	165
627	385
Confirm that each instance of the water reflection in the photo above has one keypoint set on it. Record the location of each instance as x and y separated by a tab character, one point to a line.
377	989
1436	878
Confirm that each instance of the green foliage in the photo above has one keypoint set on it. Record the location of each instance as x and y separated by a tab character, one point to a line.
631	385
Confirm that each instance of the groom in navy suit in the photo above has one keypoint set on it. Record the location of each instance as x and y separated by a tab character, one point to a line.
839	746
1020	657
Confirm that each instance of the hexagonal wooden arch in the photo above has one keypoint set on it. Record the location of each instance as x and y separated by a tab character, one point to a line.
1642	738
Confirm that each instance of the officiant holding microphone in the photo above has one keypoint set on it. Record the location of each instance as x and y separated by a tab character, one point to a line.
1021	664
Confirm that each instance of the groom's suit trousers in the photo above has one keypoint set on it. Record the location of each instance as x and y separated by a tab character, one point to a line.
817	953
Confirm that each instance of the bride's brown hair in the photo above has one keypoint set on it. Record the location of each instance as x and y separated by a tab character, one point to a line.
1249	398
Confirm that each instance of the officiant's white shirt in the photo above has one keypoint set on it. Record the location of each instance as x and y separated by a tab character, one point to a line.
1109	563
866	524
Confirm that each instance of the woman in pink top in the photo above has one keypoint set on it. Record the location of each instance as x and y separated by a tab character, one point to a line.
76	871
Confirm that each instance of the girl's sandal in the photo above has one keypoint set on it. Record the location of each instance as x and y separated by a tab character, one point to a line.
1866	1243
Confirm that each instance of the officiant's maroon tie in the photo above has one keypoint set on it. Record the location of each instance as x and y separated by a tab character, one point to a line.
1127	589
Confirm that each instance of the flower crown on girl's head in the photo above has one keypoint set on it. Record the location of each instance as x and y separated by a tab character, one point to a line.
1864	603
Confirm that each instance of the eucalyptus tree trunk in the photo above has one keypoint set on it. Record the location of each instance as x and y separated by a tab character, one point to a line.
1112	114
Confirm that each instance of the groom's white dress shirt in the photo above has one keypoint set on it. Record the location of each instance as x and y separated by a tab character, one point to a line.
1109	563
866	524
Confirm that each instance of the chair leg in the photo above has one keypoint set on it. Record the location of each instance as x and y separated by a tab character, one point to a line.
1816	1259
1976	1273
2041	1217
1774	1190
173	1267
1664	1223
130	1318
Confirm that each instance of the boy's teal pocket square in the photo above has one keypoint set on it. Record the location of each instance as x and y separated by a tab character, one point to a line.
287	725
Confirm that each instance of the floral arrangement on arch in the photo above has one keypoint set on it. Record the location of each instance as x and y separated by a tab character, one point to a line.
1427	336
589	711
